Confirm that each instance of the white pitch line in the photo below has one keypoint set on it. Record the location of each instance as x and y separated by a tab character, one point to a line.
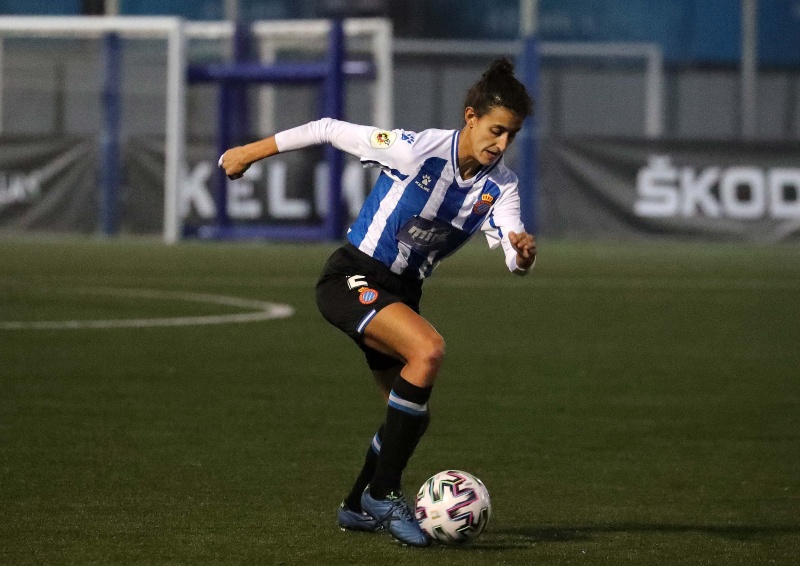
264	311
502	281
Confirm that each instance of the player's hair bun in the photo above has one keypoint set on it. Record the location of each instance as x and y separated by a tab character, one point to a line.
499	68
499	87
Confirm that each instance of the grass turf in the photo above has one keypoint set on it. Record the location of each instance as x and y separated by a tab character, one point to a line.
626	404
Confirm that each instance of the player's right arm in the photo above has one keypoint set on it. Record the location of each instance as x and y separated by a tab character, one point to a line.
237	160
370	144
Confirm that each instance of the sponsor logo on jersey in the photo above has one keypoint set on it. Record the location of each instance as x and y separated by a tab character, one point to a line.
407	137
367	296
428	237
426	179
381	139
483	205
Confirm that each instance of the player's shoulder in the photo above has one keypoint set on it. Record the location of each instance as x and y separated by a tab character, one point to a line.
427	139
432	142
399	138
503	176
414	145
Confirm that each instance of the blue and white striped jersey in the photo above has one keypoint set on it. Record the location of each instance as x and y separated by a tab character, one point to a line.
420	210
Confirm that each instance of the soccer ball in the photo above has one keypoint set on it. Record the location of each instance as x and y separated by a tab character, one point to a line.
453	507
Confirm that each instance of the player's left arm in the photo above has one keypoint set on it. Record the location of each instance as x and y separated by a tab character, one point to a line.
503	227
525	246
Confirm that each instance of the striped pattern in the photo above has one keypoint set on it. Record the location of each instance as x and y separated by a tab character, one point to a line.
376	444
401	404
420	178
364	321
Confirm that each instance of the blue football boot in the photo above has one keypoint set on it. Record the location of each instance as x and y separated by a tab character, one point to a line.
394	515
356	520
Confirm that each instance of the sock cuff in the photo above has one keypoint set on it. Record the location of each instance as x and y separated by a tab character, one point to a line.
376	442
409	398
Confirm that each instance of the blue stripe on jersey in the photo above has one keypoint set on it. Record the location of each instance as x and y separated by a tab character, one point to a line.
452	203
411	204
493	225
454	150
359	228
473	221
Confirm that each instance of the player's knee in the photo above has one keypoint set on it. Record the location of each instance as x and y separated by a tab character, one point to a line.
431	353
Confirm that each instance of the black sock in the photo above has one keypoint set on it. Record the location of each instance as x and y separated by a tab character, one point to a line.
353	501
406	417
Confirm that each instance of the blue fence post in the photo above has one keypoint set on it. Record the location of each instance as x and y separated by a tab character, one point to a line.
528	140
110	136
334	108
224	118
232	127
241	54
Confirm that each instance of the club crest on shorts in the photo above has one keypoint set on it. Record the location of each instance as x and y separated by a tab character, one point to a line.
367	296
483	205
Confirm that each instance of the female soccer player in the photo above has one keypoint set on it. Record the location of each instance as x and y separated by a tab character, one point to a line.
436	188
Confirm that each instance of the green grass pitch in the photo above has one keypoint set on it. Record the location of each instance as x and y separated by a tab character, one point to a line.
626	404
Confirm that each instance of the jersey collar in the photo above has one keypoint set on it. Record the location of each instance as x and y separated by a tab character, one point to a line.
483	172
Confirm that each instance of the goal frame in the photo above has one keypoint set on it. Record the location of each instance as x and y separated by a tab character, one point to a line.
95	27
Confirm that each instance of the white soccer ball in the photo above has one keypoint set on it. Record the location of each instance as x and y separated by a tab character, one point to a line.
453	507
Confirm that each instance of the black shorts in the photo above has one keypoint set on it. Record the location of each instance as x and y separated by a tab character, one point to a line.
354	287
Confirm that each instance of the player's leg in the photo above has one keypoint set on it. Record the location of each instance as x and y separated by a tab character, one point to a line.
397	330
384	378
400	332
354	308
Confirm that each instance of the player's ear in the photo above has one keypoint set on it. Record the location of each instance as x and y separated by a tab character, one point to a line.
470	116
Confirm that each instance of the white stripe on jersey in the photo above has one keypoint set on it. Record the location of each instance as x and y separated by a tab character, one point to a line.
378	224
437	194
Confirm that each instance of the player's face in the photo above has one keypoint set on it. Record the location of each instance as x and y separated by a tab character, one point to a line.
493	132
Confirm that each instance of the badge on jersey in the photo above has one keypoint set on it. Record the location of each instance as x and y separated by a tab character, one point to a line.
483	205
367	296
381	139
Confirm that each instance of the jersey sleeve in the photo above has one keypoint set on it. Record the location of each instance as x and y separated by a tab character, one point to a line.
504	217
373	146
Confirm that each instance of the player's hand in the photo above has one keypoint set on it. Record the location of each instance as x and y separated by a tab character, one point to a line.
525	246
234	162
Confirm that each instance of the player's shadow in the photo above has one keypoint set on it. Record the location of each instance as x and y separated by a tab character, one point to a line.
526	537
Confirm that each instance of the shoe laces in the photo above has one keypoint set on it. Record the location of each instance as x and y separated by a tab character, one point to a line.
399	503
